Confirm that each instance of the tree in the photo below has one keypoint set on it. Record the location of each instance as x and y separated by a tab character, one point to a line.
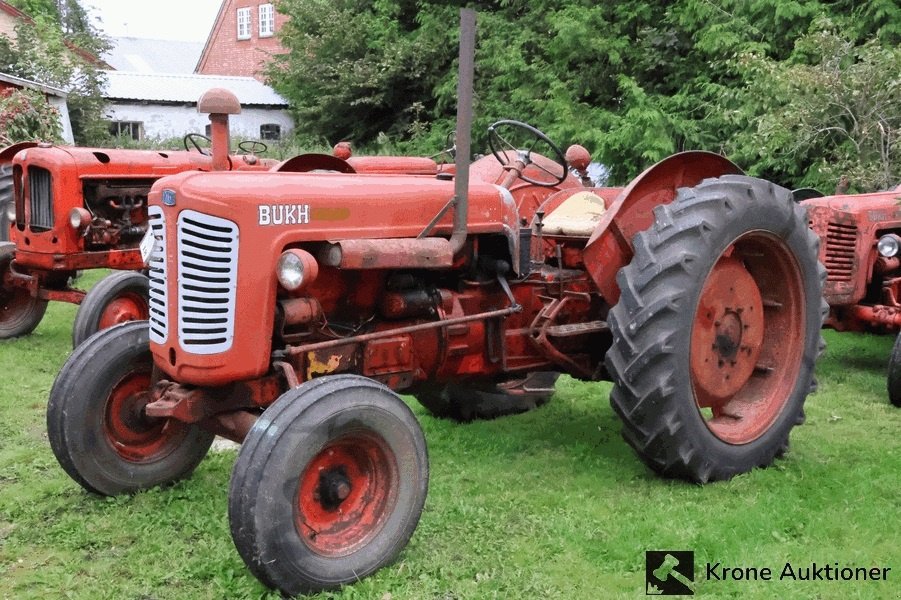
59	48
631	80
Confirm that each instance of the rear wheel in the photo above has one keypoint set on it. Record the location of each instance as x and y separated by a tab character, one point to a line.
465	403
96	422
717	330
117	298
20	312
329	484
894	373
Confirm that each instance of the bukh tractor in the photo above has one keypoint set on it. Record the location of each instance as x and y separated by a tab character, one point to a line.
70	209
288	310
861	248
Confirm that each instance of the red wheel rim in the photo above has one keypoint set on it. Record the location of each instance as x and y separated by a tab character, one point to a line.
123	308
346	493
747	338
132	434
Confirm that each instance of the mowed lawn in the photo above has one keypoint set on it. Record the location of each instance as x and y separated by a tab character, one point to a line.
550	504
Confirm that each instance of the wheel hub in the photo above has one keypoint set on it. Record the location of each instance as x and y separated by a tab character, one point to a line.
344	493
128	307
727	333
334	488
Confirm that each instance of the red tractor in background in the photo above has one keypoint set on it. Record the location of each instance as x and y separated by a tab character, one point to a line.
71	209
861	248
286	311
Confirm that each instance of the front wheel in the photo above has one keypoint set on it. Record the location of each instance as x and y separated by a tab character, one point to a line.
117	298
20	312
894	373
328	485
96	422
717	329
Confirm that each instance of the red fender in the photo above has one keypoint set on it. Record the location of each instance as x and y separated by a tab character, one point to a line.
6	154
610	247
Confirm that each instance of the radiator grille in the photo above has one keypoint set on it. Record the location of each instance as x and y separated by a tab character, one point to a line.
841	244
156	270
207	282
40	194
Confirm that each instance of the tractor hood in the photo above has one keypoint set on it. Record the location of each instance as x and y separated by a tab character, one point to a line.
277	209
107	163
875	207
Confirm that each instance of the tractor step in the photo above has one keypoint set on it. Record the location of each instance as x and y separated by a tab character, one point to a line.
575	329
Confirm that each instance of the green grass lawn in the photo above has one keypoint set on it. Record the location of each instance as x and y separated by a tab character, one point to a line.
550	504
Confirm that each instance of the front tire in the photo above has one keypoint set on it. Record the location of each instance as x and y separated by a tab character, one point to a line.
329	485
894	373
117	298
717	330
20	312
96	424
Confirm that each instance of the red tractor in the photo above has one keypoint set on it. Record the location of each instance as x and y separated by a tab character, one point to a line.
861	248
287	310
70	209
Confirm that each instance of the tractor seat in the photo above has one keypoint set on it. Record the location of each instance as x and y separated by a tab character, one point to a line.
577	216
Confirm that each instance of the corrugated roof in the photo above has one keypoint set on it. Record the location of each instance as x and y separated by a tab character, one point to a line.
179	87
34	85
142	55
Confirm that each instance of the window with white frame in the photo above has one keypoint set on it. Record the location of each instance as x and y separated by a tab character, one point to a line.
244	23
267	20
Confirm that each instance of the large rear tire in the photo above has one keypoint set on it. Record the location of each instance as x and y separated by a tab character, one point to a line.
468	402
717	330
20	312
96	422
329	485
117	298
894	373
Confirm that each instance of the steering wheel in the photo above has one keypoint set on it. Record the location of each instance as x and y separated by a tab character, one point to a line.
192	140
450	147
519	131
253	147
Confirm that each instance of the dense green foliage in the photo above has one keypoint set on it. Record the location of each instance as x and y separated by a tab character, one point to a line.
632	80
26	115
59	48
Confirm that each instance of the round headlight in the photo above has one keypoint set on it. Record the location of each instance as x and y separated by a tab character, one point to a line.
10	209
888	245
79	218
296	268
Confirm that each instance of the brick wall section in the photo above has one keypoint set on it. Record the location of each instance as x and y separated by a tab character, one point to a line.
225	54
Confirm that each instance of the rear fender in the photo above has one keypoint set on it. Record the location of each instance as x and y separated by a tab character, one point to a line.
610	246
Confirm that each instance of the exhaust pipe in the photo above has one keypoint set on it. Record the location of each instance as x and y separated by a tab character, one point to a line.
219	103
464	127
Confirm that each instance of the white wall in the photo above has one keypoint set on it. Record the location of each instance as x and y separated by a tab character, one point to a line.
163	121
60	104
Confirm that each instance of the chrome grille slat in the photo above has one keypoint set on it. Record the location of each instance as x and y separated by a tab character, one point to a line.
156	266
207	282
40	196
